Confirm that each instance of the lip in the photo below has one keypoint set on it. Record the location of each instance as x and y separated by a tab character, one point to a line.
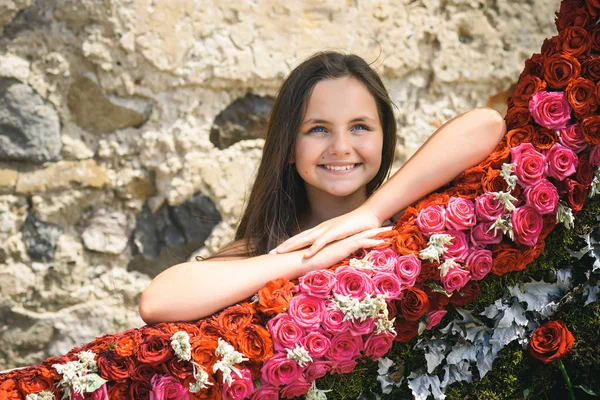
342	172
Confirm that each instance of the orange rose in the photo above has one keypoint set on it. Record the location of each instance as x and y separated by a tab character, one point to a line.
144	372
255	342
527	86
36	379
236	317
590	127
113	366
551	341
581	95
210	327
534	66
177	368
118	391
8	390
212	392
590	68
498	156
434	198
545	138
576	42
468	184
466	295
140	390
593	7
530	254
595	33
127	345
275	296
155	349
203	351
550	46
409	214
516	136
560	69
576	17
409	240
517	117
505	259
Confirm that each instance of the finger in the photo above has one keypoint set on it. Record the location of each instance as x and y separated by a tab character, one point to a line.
297	242
326	238
369	243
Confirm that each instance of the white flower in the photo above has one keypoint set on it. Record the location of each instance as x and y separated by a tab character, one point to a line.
86	359
435	247
504	223
506	173
230	358
565	214
300	355
201	377
316	394
383	324
506	199
361	264
354	308
40	396
446	265
88	383
180	342
595	187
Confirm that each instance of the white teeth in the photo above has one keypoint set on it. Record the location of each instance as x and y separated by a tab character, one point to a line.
340	168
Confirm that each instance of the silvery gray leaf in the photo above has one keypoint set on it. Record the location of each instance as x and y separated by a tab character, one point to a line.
492	310
435	354
536	294
423	386
457	373
460	353
592	293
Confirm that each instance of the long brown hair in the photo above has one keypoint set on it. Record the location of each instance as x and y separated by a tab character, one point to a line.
278	196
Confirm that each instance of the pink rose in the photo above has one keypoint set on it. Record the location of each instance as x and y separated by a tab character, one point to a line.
294	389
384	260
241	386
284	331
352	282
459	248
527	225
550	109
488	208
479	264
306	310
316	343
456	278
434	318
432	219
167	387
333	320
460	214
562	161
572	137
377	345
542	196
266	392
317	369
280	370
344	367
99	394
359	328
344	347
317	283
387	284
531	164
482	235
595	156
408	269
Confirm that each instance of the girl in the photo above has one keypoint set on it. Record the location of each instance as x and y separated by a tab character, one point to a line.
329	145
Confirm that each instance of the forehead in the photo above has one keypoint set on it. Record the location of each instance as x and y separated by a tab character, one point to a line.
340	98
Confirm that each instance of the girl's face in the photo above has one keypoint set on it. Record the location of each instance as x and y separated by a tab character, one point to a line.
339	143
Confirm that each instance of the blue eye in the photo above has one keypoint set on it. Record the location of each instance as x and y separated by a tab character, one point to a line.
316	127
363	126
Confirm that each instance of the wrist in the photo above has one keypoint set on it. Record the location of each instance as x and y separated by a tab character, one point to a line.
369	208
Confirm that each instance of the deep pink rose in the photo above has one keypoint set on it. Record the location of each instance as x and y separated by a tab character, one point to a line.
434	318
408	269
384	260
550	109
432	219
333	320
479	264
284	331
460	214
542	196
456	278
352	282
344	367
317	369
378	344
459	248
306	310
99	394
572	137
488	208
344	347
562	161
482	235
531	164
297	388
595	156
165	387
359	328
316	343
266	392
280	370
317	283
387	284
527	225
241	386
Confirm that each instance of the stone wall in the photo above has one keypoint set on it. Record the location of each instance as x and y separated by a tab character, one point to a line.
130	129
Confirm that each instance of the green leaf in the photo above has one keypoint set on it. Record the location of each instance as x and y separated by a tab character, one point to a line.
111	346
437	288
586	389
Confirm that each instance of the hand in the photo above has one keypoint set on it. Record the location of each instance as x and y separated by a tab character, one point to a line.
334	229
339	250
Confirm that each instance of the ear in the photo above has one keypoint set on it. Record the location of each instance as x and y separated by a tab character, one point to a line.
292	158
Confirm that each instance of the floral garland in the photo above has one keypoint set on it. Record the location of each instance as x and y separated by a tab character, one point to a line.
492	218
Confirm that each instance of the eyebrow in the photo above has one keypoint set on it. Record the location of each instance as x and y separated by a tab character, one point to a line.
322	121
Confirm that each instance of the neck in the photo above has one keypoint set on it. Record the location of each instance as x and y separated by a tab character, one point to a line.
324	206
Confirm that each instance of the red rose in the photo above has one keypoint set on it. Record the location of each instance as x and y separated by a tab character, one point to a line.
549	224
545	138
144	372
593	7
114	367
575	191
575	41
177	368
590	68
530	254
437	300
551	341
517	117
155	349
560	69
119	391
550	46
585	171
413	303
534	66
505	259
590	127
466	295
405	330
429	271
581	95
140	390
527	86
577	17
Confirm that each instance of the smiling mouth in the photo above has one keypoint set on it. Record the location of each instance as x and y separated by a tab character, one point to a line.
348	167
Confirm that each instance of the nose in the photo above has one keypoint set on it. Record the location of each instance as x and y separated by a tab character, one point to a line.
340	144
